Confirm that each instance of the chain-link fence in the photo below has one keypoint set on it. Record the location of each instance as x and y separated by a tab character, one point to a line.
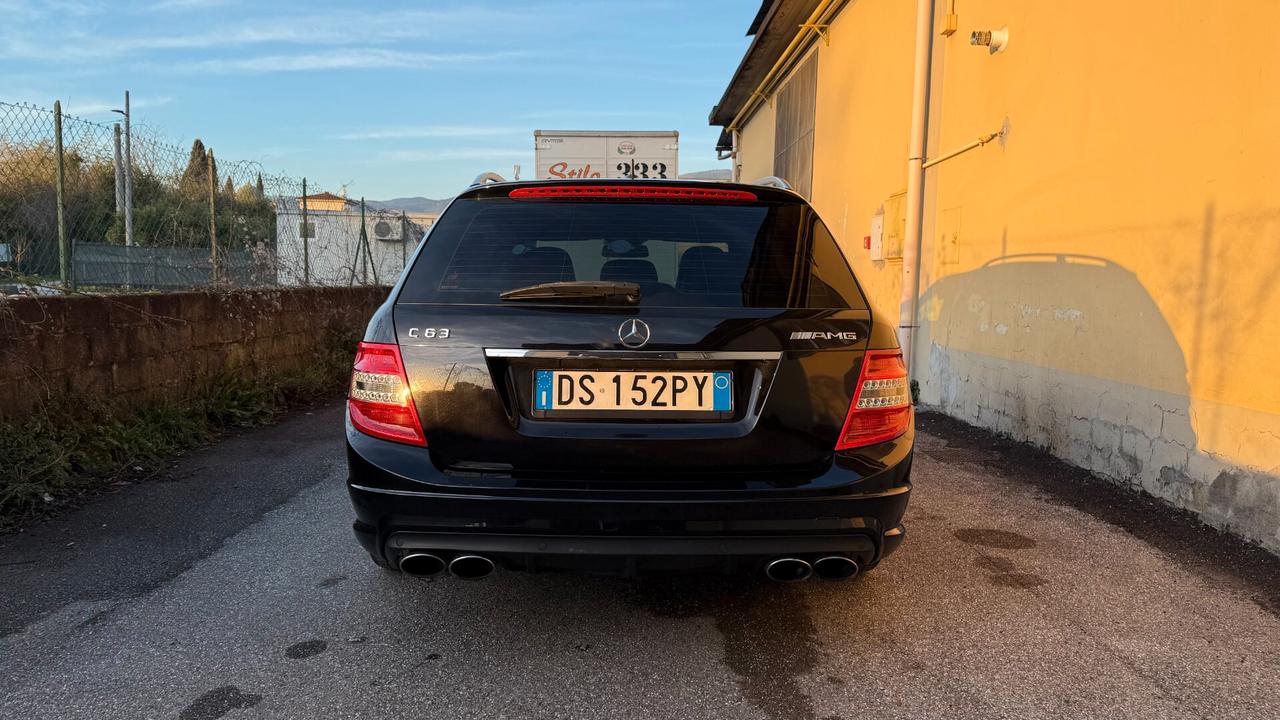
91	207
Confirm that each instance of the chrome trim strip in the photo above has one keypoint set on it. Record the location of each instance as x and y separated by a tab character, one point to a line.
634	354
895	490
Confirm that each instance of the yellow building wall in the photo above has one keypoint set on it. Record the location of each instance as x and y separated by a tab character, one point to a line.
1101	281
325	204
861	125
755	145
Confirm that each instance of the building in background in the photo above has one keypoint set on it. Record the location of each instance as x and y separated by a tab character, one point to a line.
1099	214
424	220
328	249
652	154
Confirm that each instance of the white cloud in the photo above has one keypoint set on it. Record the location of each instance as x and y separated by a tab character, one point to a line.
356	58
185	5
68	43
574	115
100	107
431	131
458	153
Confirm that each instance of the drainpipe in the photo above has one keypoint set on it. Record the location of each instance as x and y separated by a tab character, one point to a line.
735	167
915	183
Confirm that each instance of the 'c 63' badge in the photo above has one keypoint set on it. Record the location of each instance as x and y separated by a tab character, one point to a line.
428	333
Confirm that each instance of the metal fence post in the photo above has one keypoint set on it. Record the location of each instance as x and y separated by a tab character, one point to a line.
306	244
360	246
64	251
213	217
404	238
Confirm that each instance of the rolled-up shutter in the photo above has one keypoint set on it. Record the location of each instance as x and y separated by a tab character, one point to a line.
793	131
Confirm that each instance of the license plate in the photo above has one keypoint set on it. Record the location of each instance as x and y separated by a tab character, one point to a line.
597	390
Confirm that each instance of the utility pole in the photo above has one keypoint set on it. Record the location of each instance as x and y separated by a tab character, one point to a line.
306	244
64	251
128	173
120	205
119	172
404	238
125	173
213	218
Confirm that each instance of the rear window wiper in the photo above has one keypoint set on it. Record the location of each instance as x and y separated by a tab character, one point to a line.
623	293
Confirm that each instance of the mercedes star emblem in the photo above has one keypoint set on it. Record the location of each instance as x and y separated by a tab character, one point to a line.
633	333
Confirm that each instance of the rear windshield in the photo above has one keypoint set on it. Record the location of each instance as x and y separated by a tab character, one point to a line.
775	255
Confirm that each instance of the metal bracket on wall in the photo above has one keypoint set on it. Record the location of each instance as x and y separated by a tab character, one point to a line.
821	29
983	140
952	21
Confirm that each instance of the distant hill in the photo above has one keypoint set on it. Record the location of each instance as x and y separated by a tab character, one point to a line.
410	204
717	174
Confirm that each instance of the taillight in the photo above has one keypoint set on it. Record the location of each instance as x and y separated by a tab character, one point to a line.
881	406
379	402
677	193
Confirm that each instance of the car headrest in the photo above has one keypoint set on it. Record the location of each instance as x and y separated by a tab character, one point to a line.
544	264
636	271
706	270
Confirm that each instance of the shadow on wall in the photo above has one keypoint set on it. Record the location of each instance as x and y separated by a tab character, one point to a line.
1070	353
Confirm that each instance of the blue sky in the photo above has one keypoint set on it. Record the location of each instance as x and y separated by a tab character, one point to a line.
401	98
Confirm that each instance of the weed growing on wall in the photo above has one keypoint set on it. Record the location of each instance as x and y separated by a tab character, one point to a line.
75	447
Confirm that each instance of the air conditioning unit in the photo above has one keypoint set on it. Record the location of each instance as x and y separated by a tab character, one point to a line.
385	228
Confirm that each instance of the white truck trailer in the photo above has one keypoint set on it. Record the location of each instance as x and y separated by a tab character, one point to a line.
639	154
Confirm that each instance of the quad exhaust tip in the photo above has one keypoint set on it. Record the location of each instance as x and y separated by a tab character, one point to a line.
835	567
471	567
422	565
788	570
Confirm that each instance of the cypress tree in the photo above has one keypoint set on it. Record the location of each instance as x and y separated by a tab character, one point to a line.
195	178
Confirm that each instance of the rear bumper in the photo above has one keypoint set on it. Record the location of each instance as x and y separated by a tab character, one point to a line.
527	527
631	545
391	523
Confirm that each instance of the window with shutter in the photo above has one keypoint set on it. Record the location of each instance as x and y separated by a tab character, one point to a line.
793	131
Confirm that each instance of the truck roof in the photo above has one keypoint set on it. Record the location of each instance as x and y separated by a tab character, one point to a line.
763	192
609	133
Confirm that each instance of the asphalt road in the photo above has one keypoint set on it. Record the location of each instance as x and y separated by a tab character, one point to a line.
233	589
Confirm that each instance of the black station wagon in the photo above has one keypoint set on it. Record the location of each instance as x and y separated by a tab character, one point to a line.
629	376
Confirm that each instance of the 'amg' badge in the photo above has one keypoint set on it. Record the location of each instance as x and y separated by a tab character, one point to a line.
806	335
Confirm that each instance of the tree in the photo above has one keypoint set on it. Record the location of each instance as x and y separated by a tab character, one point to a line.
262	194
195	178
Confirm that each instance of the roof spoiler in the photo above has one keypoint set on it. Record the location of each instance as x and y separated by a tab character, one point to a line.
487	177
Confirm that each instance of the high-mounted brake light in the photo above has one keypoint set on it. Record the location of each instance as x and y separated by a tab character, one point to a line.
379	402
679	193
881	405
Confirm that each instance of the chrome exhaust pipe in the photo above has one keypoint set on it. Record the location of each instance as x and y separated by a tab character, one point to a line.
471	567
788	570
835	567
421	565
